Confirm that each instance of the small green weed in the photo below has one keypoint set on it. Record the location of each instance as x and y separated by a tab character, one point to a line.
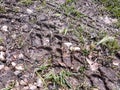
64	31
42	68
26	2
69	9
82	69
79	34
59	79
110	42
1	40
2	9
112	6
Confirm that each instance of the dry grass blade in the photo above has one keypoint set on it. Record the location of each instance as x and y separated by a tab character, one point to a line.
106	39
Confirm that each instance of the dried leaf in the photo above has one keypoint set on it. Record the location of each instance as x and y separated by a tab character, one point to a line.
93	65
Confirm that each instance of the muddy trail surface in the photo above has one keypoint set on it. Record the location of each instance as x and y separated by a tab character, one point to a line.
51	45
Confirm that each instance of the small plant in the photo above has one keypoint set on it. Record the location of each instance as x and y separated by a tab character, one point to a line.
26	2
110	42
85	52
2	9
82	69
59	79
1	40
112	6
79	33
64	31
42	68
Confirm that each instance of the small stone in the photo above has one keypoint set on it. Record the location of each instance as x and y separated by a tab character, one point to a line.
39	82
94	89
17	72
20	56
13	64
19	67
32	87
4	28
74	48
29	11
17	84
68	44
14	36
2	56
1	48
116	62
22	82
6	68
25	88
107	20
2	66
46	41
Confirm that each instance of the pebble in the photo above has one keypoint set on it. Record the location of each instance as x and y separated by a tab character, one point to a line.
20	56
17	72
4	28
32	87
2	56
68	44
23	82
6	68
2	66
17	84
107	20
13	64
19	67
116	62
39	82
2	48
14	36
26	88
29	11
74	48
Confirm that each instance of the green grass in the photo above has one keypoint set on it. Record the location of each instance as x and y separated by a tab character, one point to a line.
112	6
48	75
59	79
110	42
26	2
2	9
